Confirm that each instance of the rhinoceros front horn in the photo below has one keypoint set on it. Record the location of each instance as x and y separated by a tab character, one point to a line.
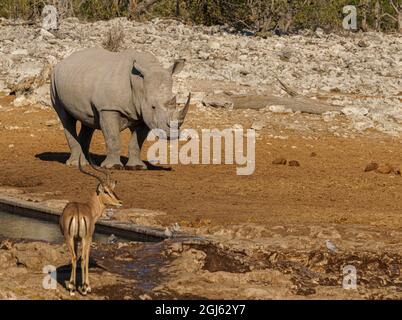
184	111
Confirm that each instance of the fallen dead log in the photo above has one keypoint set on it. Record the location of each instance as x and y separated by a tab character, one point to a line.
253	101
297	103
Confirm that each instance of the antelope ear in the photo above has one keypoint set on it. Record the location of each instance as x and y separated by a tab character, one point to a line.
99	189
177	66
113	184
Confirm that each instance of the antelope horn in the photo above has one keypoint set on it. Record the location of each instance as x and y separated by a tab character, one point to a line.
184	111
88	173
99	169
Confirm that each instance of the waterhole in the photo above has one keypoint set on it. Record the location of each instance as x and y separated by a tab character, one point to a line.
139	261
18	227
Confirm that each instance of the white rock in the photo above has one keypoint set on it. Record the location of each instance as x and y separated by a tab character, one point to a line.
46	34
258	125
354	111
20	101
20	51
278	109
363	125
214	45
203	55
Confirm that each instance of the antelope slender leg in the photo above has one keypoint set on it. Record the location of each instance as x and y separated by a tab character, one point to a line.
83	269
88	249
70	245
85	288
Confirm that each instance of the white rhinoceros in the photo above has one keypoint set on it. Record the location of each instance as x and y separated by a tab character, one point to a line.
113	92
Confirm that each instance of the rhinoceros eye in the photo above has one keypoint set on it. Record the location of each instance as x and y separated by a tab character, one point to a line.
153	107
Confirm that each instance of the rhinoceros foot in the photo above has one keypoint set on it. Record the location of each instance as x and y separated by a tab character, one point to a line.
136	167
73	162
116	167
113	165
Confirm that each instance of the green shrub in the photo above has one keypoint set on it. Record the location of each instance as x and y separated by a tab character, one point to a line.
255	15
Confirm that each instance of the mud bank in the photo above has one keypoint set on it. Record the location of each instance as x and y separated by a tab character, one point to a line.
239	262
289	262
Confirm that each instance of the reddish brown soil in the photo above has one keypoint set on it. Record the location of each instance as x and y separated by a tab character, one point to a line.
330	187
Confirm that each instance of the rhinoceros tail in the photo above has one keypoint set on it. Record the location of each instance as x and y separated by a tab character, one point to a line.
53	92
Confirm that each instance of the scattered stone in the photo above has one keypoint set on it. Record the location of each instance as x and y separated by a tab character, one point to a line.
46	34
203	55
313	154
20	102
294	163
111	239
281	161
220	100
20	52
258	125
319	32
51	123
371	167
176	247
363	44
279	109
384	168
353	111
214	45
6	245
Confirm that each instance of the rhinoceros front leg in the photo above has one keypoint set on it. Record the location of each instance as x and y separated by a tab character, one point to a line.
110	124
138	136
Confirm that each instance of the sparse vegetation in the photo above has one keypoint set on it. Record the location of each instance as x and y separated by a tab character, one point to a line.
257	16
114	38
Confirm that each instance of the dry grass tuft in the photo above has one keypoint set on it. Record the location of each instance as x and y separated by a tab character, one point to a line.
114	38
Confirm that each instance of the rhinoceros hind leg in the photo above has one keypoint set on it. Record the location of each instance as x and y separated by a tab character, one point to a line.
70	131
138	136
110	125
85	138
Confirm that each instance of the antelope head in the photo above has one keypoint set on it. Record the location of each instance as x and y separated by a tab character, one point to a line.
105	188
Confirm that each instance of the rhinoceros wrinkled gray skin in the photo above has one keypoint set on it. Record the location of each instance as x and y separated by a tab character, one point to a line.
113	92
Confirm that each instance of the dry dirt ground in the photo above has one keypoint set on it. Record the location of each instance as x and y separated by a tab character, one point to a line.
330	189
330	186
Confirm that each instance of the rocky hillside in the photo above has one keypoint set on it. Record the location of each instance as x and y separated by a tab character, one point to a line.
361	73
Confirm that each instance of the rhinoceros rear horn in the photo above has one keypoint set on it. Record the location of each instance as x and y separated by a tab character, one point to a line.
184	111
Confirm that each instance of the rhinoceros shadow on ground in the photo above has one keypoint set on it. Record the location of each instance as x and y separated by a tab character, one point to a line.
62	157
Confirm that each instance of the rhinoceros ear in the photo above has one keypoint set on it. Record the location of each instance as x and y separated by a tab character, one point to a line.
138	69
177	66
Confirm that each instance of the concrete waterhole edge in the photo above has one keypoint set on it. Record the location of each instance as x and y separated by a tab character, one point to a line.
126	230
